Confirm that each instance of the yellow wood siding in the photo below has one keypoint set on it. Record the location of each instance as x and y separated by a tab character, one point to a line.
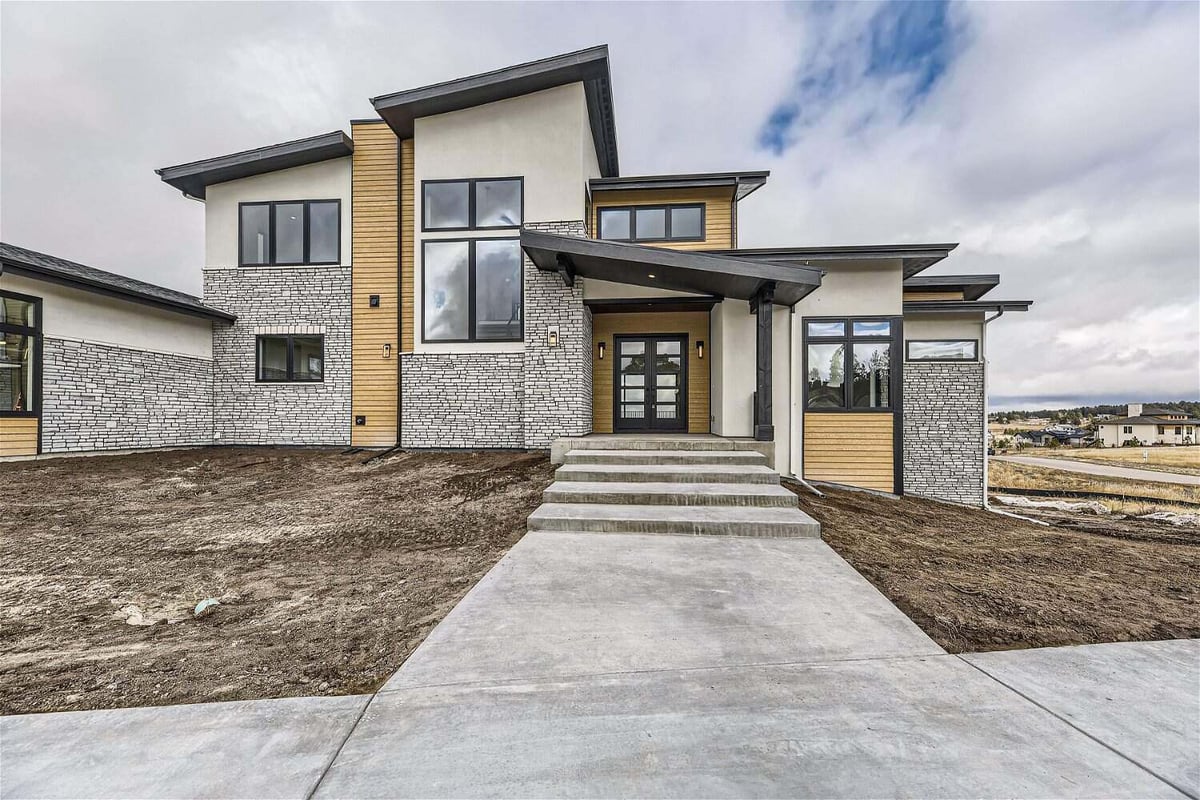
408	284
850	448
918	296
718	212
692	323
18	436
375	270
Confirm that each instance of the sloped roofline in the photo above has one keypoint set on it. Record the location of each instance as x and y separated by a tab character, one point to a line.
973	287
743	182
915	257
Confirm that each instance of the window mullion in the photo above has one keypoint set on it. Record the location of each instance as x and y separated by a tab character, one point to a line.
304	246
471	283
271	233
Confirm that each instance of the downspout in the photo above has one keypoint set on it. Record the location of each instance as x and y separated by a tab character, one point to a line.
983	355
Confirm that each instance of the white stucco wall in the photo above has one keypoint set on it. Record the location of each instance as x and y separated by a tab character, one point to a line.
89	317
849	289
327	180
602	290
944	326
733	380
542	137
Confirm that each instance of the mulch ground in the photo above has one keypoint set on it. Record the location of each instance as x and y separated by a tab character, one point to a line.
329	571
974	580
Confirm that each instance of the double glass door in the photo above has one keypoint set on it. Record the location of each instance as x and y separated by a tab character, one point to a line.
650	383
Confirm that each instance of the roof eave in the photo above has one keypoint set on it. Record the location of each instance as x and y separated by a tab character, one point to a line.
964	306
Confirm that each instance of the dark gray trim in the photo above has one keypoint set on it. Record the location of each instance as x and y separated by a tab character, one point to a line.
763	308
590	66
666	208
951	306
637	305
291	366
742	183
471	291
908	357
52	269
973	287
672	269
914	257
33	404
194	177
471	204
305	246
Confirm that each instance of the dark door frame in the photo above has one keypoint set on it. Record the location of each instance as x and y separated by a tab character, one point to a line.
678	425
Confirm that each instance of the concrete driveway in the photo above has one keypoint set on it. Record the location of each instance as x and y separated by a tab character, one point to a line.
607	665
1104	470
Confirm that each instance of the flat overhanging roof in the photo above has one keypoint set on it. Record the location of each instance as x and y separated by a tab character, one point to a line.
961	306
915	257
195	177
590	67
740	183
660	268
973	287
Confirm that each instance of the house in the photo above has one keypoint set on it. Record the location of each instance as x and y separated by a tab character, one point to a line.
470	269
1148	425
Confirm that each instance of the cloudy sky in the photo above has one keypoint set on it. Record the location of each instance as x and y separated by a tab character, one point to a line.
1059	143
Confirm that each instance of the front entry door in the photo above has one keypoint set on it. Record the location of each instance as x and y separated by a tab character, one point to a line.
650	383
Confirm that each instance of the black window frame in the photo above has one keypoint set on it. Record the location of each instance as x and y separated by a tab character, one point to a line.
908	356
34	404
666	208
271	262
471	204
472	284
895	363
291	354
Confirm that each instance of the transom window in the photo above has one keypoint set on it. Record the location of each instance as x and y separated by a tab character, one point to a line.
942	349
298	358
20	354
672	223
848	364
472	290
291	232
472	204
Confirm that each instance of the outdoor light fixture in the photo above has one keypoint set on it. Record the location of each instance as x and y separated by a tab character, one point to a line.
552	336
650	275
699	348
600	349
360	419
387	351
373	300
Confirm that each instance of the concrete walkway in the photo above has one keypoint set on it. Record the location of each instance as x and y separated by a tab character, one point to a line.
1103	470
623	664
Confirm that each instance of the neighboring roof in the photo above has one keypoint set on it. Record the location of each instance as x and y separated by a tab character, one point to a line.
742	183
1145	420
973	287
20	261
720	276
1157	411
193	178
589	67
951	306
915	257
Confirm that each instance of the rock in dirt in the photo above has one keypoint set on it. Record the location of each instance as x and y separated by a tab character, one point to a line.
132	615
1090	506
1173	518
205	607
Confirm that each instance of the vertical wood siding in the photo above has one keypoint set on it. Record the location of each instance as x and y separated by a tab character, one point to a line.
851	448
375	270
718	212
18	436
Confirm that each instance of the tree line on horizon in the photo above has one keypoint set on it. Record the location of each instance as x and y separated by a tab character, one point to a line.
1077	415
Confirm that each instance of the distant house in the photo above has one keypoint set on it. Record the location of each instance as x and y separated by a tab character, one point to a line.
1149	425
1067	435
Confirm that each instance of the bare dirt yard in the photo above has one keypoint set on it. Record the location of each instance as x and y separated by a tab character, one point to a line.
329	571
974	580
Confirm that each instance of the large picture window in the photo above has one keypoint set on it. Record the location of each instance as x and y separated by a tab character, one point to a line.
293	232
290	359
674	223
472	204
20	354
849	364
472	290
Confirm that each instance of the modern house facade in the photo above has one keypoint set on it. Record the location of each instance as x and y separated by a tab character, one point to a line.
471	270
1144	424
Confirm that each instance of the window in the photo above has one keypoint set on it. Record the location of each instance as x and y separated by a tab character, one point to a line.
682	223
299	358
20	354
848	364
293	232
942	349
1179	430
470	204
1128	429
472	290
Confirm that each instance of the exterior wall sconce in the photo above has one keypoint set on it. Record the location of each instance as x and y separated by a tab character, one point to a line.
387	351
600	350
373	301
700	348
552	336
360	419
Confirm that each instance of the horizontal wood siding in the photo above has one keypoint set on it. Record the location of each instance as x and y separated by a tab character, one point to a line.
692	323
375	270
408	283
18	436
910	297
851	448
718	212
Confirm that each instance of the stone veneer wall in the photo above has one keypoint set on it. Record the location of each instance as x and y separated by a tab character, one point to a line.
105	397
943	430
280	300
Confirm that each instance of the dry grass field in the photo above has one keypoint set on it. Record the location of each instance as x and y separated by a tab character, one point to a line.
1025	476
1182	460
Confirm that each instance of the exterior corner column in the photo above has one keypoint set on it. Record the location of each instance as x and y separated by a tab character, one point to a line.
762	307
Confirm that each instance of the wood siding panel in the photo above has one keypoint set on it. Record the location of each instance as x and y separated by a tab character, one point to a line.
375	270
408	284
18	436
692	323
718	212
851	448
910	297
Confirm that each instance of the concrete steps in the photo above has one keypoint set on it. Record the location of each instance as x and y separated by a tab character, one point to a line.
705	486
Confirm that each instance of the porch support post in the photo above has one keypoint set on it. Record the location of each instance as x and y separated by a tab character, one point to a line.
762	306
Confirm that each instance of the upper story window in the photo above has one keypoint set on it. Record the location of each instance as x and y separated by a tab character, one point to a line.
20	353
848	364
673	223
291	232
472	204
472	290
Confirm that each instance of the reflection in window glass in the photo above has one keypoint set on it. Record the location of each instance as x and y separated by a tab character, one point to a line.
872	368
289	233
256	234
17	312
497	203
614	223
650	223
943	350
447	205
826	329
872	328
272	358
16	371
308	358
826	375
687	222
323	233
446	289
497	289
